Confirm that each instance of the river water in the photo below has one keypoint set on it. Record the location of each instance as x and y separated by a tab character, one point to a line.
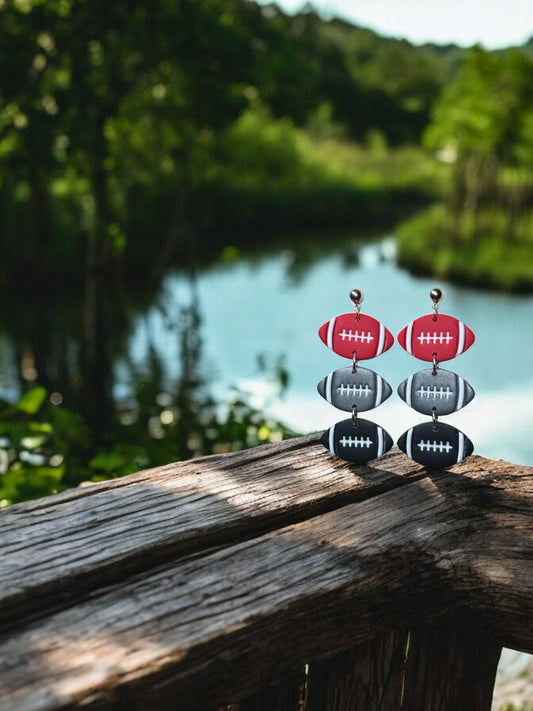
274	306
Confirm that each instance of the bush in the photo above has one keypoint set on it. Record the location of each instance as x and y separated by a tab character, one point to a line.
467	250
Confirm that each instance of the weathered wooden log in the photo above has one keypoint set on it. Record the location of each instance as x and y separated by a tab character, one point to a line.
58	548
207	581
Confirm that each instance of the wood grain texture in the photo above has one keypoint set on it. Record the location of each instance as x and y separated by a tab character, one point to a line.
58	548
368	677
249	567
450	668
289	695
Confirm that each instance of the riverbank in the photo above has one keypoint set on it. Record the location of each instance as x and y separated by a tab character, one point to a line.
267	177
435	243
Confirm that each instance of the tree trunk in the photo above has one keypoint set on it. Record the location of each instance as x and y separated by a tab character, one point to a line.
95	360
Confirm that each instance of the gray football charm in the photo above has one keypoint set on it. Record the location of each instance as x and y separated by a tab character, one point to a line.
343	389
445	391
357	444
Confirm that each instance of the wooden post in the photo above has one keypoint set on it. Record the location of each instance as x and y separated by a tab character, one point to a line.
366	678
289	695
450	669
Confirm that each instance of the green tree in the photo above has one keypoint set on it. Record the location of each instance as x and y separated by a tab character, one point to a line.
84	84
481	122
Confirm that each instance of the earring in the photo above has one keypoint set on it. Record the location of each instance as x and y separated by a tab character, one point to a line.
355	389
436	338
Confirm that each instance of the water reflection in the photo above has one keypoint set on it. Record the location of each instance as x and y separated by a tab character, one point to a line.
41	342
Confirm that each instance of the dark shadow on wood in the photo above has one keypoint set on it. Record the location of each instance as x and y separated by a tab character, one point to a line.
366	678
450	668
289	695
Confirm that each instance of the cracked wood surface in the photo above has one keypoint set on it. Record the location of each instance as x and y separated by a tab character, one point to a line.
167	581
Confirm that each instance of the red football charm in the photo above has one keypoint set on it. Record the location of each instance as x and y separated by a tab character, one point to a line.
446	338
344	334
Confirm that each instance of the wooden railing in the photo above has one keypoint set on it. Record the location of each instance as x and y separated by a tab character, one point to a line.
272	579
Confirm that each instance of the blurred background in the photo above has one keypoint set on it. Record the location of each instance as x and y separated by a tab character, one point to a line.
190	188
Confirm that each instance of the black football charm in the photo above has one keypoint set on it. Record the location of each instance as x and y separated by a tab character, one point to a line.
342	388
435	448
445	391
357	444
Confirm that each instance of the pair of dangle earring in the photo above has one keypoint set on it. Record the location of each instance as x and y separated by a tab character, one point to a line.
434	338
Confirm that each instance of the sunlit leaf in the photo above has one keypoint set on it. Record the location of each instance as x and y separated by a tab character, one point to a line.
32	400
32	442
110	461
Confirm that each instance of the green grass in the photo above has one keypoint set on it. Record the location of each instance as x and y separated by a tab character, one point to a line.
271	174
434	243
263	152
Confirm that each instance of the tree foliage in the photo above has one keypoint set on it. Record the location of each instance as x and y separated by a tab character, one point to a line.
483	126
483	122
108	110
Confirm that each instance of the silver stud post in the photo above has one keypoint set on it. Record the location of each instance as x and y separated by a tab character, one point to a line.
357	296
436	295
